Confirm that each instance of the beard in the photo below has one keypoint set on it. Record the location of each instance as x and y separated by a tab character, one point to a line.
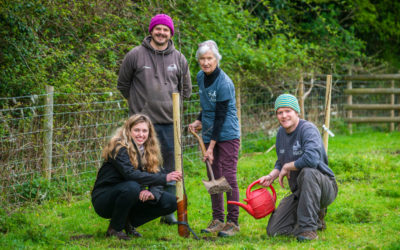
158	43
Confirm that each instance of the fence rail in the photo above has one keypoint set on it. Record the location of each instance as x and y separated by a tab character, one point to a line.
378	85
371	91
373	119
83	122
371	106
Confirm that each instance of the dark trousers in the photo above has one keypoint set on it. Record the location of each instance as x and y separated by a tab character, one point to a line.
225	164
165	134
298	212
121	203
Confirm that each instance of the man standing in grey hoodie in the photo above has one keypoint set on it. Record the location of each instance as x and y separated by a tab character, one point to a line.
148	76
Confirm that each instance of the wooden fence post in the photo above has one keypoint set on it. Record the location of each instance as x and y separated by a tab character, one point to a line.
327	110
48	132
301	97
239	107
350	102
392	111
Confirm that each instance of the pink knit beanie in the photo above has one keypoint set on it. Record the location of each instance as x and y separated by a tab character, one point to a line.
162	19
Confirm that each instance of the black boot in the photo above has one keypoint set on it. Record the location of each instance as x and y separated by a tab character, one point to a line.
119	234
131	230
170	218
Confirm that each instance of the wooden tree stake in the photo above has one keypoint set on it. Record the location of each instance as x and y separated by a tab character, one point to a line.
301	97
183	230
327	110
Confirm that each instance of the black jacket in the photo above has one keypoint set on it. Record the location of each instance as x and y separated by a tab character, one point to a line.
120	169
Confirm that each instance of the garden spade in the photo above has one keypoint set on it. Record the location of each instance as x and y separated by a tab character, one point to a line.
213	186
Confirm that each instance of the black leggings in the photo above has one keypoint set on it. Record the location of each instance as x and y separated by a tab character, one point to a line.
121	202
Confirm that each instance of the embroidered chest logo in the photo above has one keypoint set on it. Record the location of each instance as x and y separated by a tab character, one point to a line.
297	149
212	95
172	67
282	151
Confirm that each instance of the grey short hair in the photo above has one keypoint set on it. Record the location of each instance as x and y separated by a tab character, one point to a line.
206	46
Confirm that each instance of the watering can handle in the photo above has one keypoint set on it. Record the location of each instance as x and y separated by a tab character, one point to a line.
256	182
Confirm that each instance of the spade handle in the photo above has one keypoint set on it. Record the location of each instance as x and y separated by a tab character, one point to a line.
203	152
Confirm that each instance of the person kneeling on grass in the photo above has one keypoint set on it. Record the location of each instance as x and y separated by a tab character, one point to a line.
129	185
303	160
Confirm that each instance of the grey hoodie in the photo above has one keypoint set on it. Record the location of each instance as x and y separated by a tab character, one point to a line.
148	77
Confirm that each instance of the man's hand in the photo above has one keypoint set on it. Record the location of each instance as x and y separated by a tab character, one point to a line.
266	181
146	195
285	171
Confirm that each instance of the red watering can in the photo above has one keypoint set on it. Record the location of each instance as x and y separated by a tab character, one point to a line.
260	201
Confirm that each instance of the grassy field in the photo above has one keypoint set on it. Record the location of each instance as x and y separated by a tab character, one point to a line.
366	213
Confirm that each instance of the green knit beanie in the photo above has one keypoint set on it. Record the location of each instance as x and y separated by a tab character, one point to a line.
287	100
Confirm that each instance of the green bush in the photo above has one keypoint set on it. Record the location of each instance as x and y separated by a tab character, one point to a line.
78	46
40	189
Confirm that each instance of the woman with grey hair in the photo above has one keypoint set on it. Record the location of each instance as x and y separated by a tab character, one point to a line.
220	130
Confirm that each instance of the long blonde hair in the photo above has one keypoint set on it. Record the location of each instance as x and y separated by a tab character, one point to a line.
152	158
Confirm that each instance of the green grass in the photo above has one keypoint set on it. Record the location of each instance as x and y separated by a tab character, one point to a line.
366	213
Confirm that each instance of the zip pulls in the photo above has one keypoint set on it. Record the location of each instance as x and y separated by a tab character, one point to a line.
163	67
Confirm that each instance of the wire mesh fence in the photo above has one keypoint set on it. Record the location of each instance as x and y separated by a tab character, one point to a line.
82	124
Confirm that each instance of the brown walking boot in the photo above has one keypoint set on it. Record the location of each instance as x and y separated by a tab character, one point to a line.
214	226
230	229
306	236
321	221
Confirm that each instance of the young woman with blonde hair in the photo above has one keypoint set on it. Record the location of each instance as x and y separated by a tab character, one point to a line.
129	185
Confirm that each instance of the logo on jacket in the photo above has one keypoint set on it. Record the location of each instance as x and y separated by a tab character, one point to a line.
212	95
172	67
297	149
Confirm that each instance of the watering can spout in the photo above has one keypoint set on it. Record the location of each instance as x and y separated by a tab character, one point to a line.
246	207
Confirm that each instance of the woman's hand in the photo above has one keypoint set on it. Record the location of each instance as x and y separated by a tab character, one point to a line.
195	126
146	195
209	155
174	176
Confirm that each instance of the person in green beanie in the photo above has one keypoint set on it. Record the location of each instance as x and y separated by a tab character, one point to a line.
303	160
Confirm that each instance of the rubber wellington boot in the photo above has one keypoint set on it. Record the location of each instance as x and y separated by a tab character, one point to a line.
170	218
